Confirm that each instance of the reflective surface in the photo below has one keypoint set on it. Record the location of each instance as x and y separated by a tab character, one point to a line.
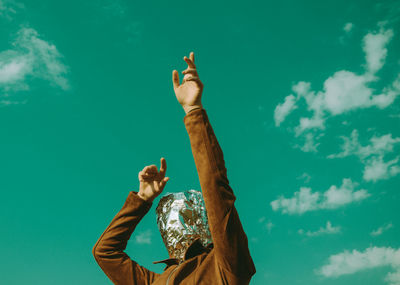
181	218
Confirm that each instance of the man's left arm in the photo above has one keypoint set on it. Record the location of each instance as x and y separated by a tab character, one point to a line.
229	238
230	241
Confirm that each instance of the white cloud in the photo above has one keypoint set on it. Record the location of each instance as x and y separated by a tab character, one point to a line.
348	27
328	230
378	146
344	91
375	49
305	200
30	58
13	68
310	144
373	257
376	169
282	110
143	237
372	155
381	229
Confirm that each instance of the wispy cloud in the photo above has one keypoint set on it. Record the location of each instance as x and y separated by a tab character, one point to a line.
372	155
143	237
284	109
305	176
305	200
9	8
268	225
351	262
348	27
348	30
381	229
310	143
31	58
119	14
344	91
327	230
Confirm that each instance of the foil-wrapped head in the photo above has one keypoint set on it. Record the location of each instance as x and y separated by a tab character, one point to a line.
182	218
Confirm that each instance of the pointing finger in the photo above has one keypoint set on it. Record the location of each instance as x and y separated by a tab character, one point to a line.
191	56
189	62
163	167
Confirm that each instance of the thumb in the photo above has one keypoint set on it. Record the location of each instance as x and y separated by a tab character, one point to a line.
175	79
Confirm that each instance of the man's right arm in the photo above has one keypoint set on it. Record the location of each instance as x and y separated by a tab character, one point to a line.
109	249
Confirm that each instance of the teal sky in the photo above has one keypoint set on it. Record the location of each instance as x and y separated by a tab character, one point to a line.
303	98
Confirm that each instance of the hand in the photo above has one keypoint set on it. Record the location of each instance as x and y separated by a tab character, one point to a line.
189	92
152	182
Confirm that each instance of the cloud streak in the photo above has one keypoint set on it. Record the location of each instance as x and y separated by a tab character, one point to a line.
305	200
355	261
143	237
372	155
327	230
381	229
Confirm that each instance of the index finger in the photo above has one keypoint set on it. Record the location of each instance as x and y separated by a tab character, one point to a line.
191	56
189	62
163	167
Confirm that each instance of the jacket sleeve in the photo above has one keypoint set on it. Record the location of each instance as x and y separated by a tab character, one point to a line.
109	249
230	241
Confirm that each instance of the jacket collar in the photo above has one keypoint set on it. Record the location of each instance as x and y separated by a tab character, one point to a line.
193	250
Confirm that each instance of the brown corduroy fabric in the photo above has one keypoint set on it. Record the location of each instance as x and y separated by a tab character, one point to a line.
226	261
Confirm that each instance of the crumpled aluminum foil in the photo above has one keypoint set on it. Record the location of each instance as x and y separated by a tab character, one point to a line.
182	218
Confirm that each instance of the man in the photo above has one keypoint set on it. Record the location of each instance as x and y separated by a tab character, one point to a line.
193	259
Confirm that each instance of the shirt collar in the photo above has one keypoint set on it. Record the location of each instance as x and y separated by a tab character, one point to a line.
194	249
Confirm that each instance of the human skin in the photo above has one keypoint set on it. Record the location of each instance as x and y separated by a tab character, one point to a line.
188	93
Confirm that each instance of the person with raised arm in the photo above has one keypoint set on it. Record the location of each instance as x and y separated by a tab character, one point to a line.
201	230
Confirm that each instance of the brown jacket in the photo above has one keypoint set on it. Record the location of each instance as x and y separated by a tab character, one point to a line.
226	261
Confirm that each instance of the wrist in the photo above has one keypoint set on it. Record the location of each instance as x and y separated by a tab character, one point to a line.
187	108
145	198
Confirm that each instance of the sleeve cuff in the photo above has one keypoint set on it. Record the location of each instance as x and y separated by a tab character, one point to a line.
195	113
134	200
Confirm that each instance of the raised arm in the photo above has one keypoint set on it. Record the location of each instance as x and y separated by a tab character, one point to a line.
230	241
109	249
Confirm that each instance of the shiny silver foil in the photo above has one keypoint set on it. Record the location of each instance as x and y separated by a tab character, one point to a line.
182	218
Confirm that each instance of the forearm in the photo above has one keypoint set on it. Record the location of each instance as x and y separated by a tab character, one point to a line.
210	166
109	249
114	239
